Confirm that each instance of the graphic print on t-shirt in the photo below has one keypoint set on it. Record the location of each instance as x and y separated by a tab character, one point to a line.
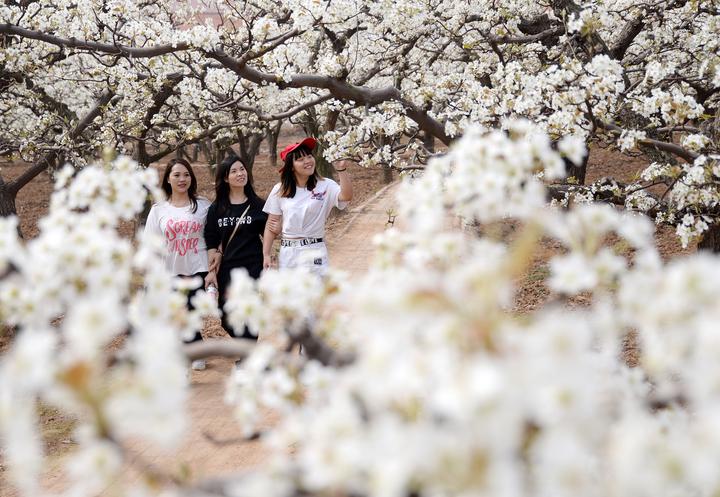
304	214
182	230
318	195
183	236
232	221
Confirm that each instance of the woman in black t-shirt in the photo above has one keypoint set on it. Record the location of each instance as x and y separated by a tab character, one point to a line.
235	202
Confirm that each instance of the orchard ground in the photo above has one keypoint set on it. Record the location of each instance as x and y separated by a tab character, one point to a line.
532	290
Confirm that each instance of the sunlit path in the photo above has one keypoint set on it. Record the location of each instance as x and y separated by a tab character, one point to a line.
351	246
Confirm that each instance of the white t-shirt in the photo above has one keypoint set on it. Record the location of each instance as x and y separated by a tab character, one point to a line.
304	215
183	232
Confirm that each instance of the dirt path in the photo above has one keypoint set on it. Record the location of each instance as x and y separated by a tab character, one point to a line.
350	245
200	456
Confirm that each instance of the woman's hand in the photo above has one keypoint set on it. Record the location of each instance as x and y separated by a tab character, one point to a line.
211	279
214	261
346	190
341	166
268	261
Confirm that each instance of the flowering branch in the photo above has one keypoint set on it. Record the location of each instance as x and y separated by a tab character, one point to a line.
660	145
165	91
41	165
338	89
286	114
11	29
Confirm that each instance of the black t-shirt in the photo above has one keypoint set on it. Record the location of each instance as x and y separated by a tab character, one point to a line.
245	248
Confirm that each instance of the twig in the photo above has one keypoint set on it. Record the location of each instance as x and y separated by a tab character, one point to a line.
238	348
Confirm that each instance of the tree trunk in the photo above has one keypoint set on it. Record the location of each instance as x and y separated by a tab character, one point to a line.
249	145
141	155
181	154
331	121
312	128
205	151
387	175
429	142
217	153
711	240
577	171
273	133
195	152
7	201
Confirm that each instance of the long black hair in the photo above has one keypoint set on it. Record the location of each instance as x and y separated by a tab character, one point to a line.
288	183
222	188
192	191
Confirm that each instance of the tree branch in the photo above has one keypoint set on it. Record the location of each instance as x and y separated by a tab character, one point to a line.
660	145
7	77
249	55
338	89
628	34
286	114
165	91
209	132
238	348
549	33
11	29
317	349
48	159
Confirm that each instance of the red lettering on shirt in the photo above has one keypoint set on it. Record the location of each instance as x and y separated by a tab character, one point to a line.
174	229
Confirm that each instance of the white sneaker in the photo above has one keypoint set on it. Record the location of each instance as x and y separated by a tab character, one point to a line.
198	365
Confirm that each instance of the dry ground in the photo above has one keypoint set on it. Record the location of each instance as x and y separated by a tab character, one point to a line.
602	163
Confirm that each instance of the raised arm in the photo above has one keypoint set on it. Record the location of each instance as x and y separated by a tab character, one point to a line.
346	190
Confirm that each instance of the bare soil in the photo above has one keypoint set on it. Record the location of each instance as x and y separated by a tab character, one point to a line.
533	292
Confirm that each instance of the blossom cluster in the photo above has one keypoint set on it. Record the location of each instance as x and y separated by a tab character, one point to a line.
447	390
451	392
89	339
391	67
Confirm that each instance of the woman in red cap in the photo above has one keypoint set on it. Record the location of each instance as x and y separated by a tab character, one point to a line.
302	202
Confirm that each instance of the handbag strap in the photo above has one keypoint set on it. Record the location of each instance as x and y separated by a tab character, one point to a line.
237	225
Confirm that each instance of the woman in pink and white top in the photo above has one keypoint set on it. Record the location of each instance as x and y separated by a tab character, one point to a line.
180	220
301	203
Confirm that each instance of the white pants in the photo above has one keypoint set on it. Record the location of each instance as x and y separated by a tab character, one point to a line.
314	257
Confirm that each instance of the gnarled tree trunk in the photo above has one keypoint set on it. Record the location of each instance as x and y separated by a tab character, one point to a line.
711	240
273	133
312	127
577	171
428	141
7	200
8	194
249	147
